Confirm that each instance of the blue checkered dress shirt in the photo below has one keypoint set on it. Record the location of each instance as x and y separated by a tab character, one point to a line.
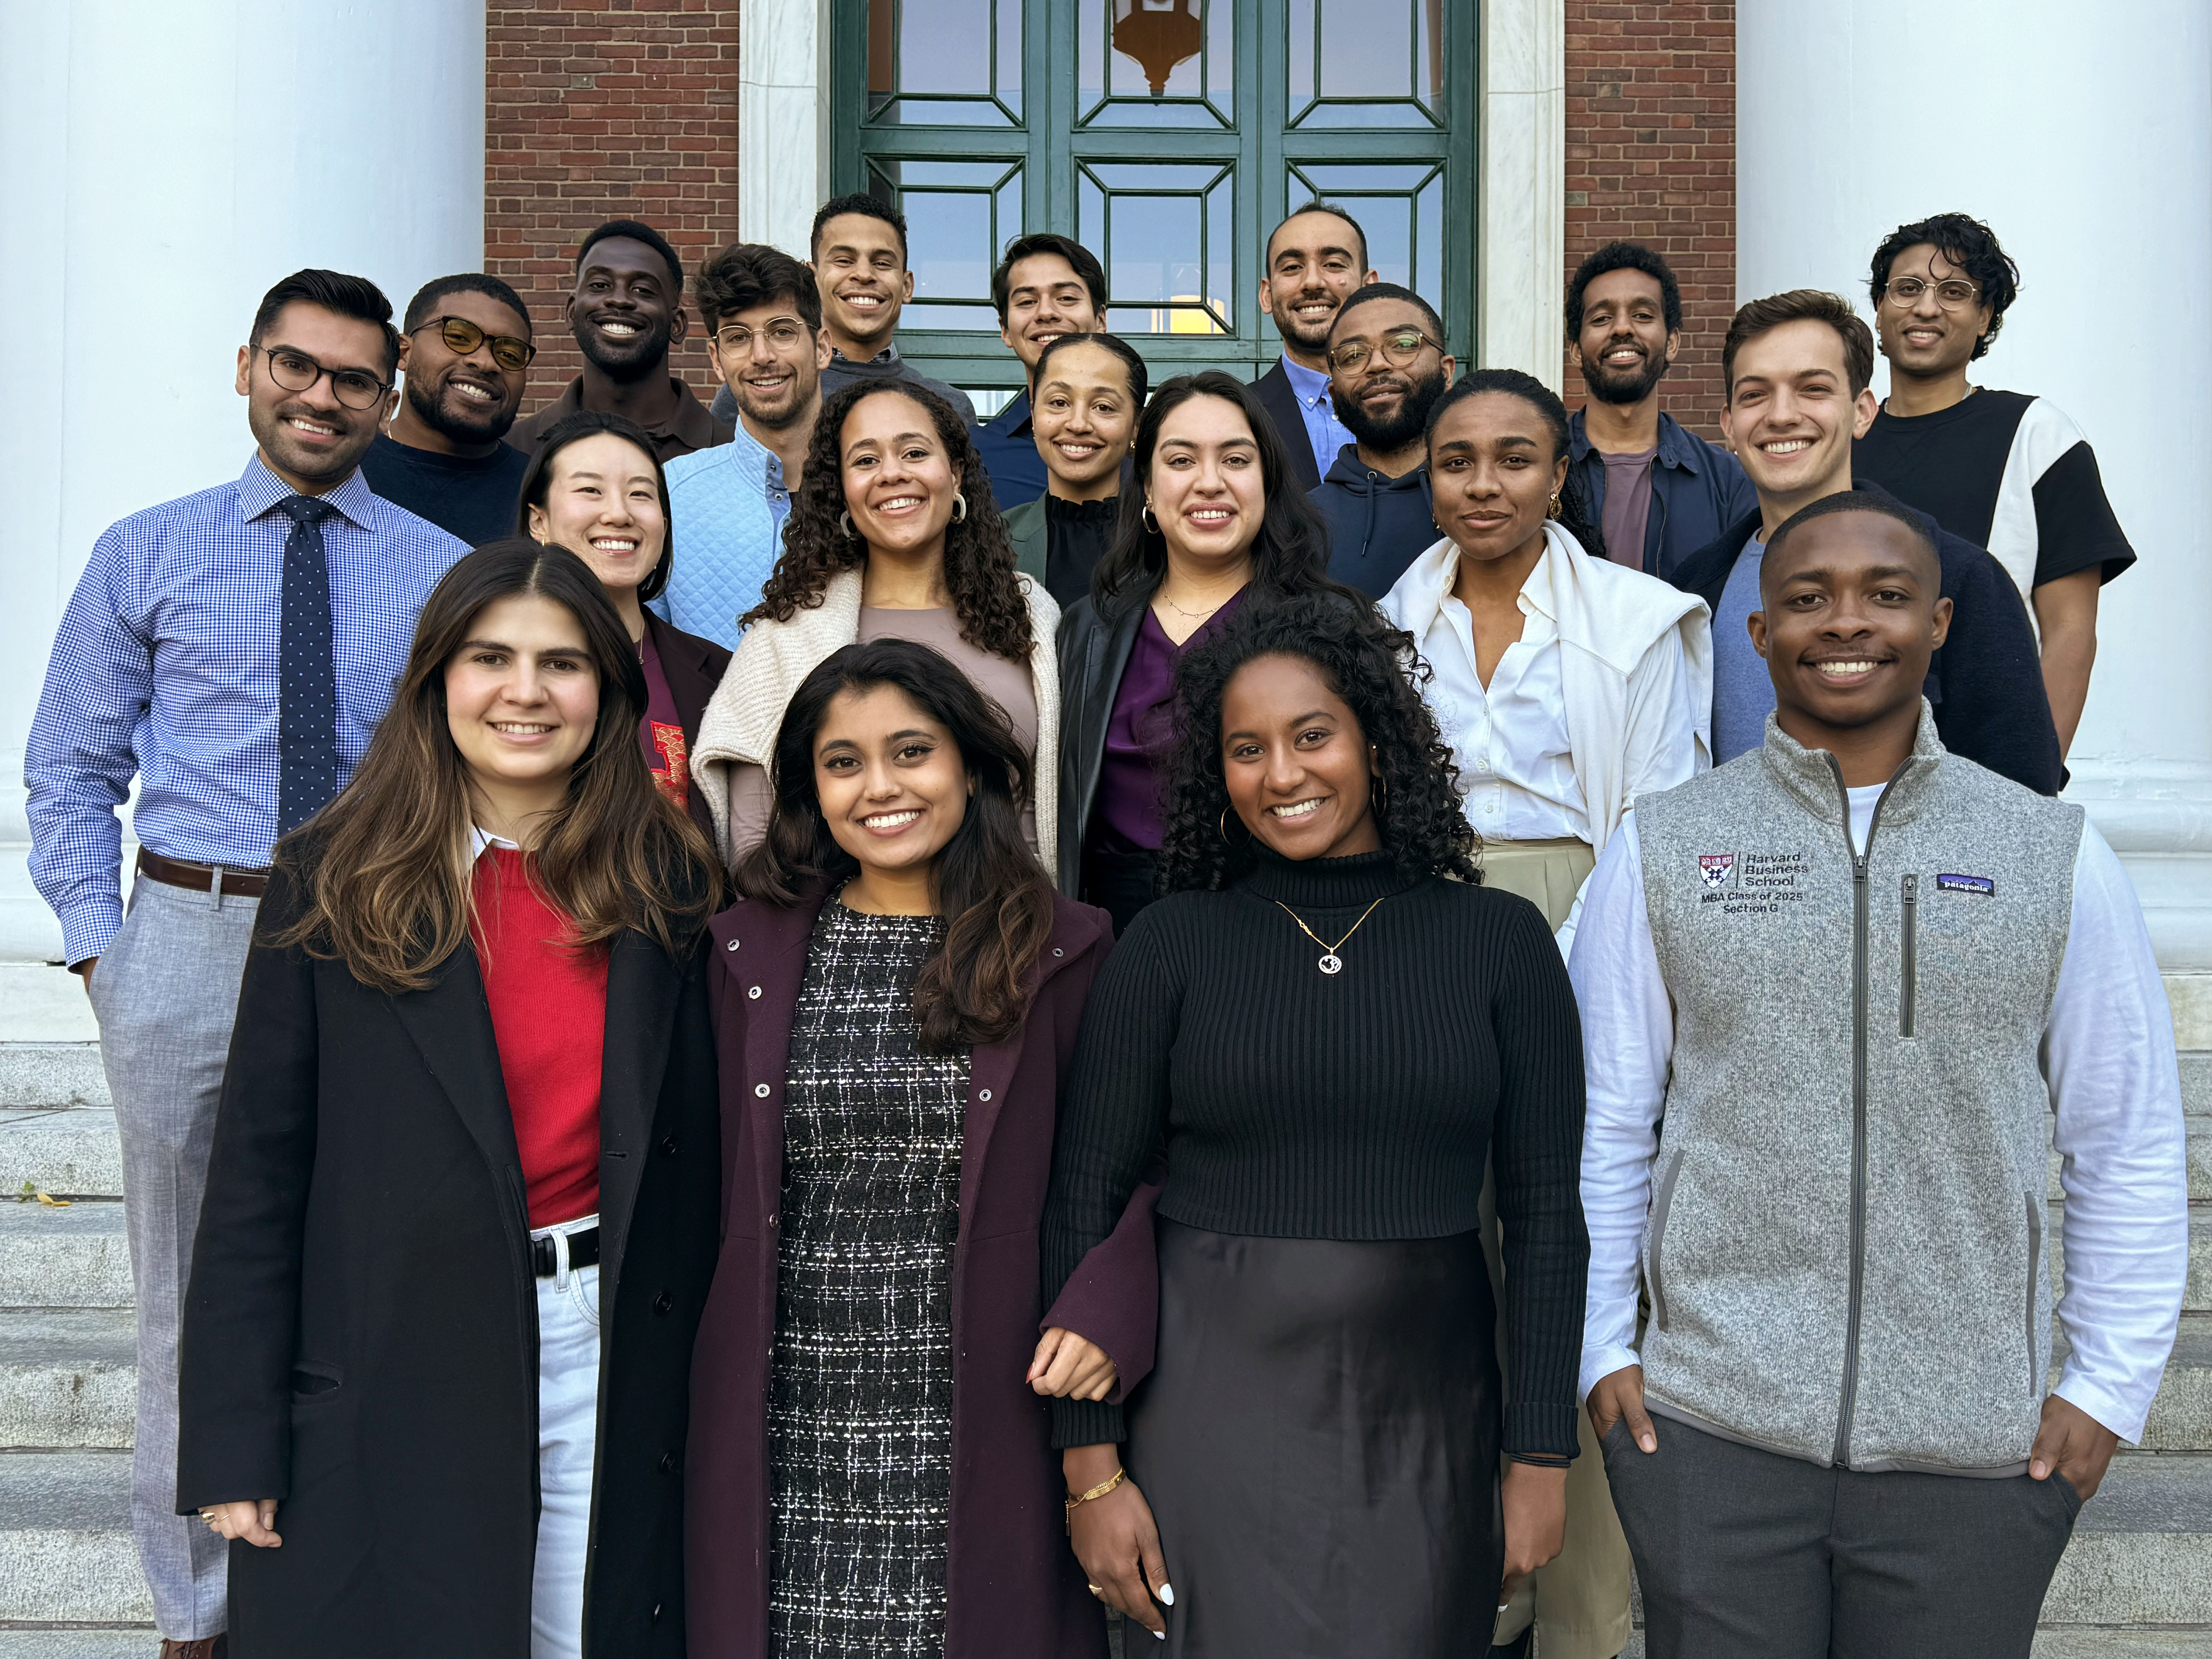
165	667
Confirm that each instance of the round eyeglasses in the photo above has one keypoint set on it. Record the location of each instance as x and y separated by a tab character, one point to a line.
1400	347
1953	293
296	371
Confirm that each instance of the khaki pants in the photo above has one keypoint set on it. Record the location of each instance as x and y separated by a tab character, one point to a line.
1579	1602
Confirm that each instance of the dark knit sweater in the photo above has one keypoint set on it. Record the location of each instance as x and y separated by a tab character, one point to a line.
1296	1104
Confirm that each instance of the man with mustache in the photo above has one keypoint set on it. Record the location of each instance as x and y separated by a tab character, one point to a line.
465	353
1316	258
765	333
232	652
627	312
2006	469
1387	367
1659	492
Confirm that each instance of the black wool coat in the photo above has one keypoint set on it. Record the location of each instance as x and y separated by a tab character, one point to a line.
360	1333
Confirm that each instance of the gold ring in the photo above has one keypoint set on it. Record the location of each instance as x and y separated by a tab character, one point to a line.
1095	1589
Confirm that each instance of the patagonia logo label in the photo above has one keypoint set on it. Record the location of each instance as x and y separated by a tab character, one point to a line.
1981	885
1715	868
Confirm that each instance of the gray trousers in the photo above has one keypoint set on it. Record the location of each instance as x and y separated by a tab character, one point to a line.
1747	1554
166	993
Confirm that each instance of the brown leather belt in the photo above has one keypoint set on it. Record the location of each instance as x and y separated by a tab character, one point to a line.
200	878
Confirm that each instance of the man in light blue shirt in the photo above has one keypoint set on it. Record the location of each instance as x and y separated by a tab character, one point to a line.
1316	258
233	652
764	316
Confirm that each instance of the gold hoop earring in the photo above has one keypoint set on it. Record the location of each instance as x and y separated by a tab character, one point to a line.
1152	524
1557	505
1378	794
1223	827
959	508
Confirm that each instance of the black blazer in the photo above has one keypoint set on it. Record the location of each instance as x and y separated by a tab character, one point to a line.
360	1329
1094	650
1985	684
1273	391
693	667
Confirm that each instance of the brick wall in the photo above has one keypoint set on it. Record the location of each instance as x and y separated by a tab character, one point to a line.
1652	158
597	110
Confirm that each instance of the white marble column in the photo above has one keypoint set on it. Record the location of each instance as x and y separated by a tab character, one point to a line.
2084	137
1521	243
783	121
161	166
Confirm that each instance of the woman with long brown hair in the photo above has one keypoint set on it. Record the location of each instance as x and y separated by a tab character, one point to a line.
893	535
896	998
468	1126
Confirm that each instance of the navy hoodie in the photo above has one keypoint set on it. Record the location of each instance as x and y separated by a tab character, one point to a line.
1377	526
1985	684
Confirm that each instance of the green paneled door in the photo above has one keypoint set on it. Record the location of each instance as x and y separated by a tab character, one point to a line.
1167	135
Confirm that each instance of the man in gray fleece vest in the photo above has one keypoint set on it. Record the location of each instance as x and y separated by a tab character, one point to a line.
1832	993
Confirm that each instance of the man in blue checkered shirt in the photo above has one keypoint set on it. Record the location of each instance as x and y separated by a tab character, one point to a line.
233	651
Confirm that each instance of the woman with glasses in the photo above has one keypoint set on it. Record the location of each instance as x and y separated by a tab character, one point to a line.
596	487
893	534
1331	1026
1088	391
462	1200
464	360
1212	519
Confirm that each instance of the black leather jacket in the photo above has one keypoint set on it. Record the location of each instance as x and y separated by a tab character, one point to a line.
1093	653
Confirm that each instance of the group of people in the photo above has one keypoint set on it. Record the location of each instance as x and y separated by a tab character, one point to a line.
1295	1018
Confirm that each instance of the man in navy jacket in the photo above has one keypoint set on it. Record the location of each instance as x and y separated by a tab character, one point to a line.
1796	367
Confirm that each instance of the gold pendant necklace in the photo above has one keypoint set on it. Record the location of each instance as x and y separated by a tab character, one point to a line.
1330	962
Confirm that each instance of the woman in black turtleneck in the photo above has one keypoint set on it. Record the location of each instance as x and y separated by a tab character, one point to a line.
1089	388
1331	1026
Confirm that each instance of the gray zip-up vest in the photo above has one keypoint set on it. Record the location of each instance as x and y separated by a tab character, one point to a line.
1845	1251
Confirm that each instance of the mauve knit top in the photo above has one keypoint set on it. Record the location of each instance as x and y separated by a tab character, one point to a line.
1293	1104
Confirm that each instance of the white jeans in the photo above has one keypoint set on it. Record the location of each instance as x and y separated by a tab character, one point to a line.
567	1424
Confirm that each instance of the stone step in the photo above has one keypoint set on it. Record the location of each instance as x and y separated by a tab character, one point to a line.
2181	1416
2141	1553
69	1377
71	1153
65	1535
65	1642
73	1257
2197	1083
2196	1295
52	1074
2050	1644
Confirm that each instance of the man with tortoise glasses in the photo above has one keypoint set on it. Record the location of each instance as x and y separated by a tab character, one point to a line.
464	352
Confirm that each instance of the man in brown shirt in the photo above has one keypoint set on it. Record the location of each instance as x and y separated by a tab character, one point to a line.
626	312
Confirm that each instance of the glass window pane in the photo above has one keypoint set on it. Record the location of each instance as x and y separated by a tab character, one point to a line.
1366	62
1166	235
1400	206
939	62
958	215
1155	63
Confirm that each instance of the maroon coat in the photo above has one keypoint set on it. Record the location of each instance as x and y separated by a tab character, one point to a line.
1014	1587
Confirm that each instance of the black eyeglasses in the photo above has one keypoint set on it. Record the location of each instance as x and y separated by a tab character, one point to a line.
1400	347
296	371
462	337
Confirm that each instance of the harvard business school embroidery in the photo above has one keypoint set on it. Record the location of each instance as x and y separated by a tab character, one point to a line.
1715	868
1982	886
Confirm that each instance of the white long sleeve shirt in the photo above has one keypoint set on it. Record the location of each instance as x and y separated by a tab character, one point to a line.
2108	1057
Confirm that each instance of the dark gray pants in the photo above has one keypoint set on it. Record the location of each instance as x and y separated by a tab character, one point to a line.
1746	1554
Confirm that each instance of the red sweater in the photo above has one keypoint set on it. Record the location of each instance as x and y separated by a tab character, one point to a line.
549	1013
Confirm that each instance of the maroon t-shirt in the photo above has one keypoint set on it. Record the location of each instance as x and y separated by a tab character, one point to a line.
1627	504
662	730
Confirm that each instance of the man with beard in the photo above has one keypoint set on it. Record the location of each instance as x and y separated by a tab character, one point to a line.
627	312
764	320
858	255
1387	367
233	651
1314	258
465	353
1657	492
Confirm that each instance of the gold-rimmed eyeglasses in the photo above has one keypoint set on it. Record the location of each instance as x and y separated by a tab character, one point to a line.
1399	346
1953	293
782	334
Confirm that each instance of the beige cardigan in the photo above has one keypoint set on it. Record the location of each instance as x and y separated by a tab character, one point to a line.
746	711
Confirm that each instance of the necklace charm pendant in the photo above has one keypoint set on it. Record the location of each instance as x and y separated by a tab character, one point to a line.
1332	964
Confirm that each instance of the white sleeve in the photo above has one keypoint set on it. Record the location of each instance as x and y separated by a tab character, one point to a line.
1628	1047
2108	1055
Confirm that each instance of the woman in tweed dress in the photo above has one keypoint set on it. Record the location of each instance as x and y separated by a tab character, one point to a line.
896	998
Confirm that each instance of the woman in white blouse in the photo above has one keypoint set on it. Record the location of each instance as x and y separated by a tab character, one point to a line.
1566	686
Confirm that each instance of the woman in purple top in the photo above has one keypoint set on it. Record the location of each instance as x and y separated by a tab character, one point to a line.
595	487
1215	516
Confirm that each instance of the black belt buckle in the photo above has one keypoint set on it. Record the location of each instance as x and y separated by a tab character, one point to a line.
583	1252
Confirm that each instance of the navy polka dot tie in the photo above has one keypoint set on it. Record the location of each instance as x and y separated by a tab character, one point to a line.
307	677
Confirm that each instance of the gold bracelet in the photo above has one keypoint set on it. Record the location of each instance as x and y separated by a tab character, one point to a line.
1076	1502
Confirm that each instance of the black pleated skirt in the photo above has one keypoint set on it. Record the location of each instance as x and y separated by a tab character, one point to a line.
1319	1443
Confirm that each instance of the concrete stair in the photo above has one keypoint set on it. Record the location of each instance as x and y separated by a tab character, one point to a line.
2136	1583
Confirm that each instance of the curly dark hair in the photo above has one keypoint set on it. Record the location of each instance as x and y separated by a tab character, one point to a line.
979	560
1574	514
1967	243
1376	671
1624	256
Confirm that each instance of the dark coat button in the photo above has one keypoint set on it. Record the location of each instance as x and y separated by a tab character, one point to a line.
668	1462
663	1303
669	1145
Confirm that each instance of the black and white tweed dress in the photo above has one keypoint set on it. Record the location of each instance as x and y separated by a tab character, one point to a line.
860	1380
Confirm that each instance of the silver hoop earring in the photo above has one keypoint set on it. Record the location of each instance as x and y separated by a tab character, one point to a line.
959	508
846	520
